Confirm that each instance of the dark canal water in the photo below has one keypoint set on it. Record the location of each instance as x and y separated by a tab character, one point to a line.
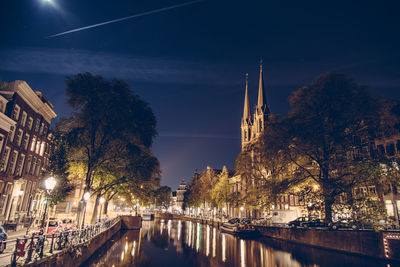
178	243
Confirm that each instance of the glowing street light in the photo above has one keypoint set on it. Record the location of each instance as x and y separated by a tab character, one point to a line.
49	185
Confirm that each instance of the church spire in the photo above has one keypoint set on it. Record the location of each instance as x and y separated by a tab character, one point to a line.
262	100
246	110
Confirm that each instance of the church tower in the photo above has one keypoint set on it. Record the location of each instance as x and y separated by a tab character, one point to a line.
246	120
261	111
252	128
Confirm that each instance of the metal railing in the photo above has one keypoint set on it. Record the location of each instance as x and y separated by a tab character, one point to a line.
37	246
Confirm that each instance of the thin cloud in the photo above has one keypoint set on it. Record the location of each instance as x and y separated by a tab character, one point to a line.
152	70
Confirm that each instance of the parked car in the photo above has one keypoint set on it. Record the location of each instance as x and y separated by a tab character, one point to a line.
54	227
315	223
3	238
298	222
68	224
350	224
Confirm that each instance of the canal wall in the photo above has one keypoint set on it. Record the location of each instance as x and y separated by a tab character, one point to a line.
77	255
382	245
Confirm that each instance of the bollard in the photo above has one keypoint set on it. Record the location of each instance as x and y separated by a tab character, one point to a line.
14	258
41	244
30	250
52	241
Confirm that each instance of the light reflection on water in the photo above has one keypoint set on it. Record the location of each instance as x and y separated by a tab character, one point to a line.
180	243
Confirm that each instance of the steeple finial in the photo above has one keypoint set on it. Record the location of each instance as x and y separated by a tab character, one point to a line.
246	110
262	101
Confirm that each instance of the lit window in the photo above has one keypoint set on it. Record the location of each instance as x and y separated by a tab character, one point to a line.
42	146
37	146
33	144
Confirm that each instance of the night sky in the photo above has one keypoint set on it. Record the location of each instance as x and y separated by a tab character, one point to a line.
190	62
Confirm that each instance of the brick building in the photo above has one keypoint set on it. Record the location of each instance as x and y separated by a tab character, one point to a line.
24	149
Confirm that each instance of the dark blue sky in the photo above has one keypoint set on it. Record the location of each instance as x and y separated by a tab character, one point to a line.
189	63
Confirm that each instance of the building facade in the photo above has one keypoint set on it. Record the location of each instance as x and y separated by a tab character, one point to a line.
24	150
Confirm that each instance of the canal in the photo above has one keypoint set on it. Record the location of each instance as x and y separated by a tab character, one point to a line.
178	243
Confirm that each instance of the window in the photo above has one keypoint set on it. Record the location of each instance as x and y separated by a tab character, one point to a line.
12	133
23	119
37	125
33	166
30	123
25	141
1	142
33	144
381	149
390	149
28	165
5	158
20	164
19	136
15	112
41	128
38	167
13	161
2	106
42	146
37	146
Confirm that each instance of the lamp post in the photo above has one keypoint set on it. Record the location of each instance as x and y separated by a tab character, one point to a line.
49	185
101	207
86	197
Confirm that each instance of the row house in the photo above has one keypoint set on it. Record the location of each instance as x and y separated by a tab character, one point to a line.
24	150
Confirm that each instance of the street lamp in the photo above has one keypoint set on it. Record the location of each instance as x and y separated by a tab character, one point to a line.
101	206
86	197
49	185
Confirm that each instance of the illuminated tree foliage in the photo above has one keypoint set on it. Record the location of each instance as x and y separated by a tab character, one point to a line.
109	134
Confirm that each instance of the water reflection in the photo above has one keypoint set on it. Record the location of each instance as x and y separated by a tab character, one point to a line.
180	243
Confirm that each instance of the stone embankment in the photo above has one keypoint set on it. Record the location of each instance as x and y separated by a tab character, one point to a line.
383	244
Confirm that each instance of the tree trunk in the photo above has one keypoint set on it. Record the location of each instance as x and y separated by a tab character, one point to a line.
105	207
79	213
328	208
95	209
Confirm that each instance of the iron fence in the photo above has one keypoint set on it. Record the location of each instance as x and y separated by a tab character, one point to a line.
37	246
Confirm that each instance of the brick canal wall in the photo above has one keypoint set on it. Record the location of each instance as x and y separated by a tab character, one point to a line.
77	255
367	243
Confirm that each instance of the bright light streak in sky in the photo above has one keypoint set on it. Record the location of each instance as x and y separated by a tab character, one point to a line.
126	18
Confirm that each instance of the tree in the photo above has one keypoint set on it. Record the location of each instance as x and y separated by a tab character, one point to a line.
109	124
59	167
163	197
328	131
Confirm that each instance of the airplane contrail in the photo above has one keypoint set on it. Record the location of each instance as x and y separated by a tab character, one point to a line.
126	18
